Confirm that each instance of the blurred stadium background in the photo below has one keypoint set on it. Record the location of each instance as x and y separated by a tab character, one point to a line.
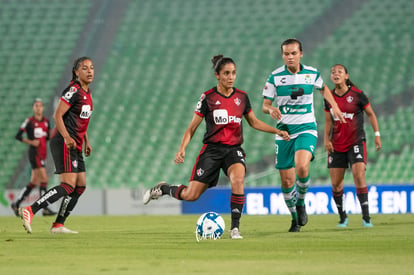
152	62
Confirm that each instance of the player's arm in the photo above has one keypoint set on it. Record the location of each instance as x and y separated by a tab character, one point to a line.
337	113
88	147
19	136
257	124
188	135
374	123
327	134
268	108
61	109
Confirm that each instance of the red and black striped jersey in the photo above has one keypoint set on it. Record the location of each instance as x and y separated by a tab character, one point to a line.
76	119
223	116
352	105
36	129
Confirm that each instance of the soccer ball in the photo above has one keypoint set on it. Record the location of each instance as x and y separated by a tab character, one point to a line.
210	225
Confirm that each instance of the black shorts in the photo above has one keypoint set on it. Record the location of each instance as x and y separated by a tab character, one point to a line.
357	153
66	161
35	160
214	157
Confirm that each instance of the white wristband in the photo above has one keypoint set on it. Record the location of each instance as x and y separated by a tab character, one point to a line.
377	134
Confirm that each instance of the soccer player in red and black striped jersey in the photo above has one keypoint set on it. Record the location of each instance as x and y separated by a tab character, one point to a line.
37	129
223	108
345	142
72	119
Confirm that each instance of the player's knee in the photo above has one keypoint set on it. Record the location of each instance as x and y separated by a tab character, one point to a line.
302	171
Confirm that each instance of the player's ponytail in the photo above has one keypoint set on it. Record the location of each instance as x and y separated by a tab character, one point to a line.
219	61
76	65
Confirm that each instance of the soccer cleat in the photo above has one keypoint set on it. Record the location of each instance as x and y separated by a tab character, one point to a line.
58	228
294	227
343	222
367	223
154	193
15	209
26	215
235	234
302	216
48	212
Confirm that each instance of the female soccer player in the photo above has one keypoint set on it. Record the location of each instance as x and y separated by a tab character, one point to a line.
292	86
345	142
223	108
37	129
72	119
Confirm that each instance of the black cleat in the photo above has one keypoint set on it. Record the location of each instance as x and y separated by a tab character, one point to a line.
15	209
48	212
295	227
302	216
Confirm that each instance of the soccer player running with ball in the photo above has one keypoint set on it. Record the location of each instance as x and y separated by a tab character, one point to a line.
345	142
292	85
37	129
223	108
72	117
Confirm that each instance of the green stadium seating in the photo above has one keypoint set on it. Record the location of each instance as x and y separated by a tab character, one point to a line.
165	68
158	67
38	38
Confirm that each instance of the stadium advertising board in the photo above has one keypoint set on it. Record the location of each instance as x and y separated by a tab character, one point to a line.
383	199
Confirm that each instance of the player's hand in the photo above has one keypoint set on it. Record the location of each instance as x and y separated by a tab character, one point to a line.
88	149
70	143
35	143
275	113
378	143
284	135
329	146
179	157
337	114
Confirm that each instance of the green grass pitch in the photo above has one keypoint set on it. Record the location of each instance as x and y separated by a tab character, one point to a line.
166	245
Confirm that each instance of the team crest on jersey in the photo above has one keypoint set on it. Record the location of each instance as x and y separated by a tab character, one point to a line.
308	79
237	101
75	163
349	99
200	172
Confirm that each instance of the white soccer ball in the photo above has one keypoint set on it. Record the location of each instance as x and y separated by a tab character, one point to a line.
210	225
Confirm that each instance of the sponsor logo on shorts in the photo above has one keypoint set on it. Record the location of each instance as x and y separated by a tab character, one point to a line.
75	163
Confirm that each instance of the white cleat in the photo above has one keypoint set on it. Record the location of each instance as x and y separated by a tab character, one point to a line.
26	215
62	230
154	193
235	234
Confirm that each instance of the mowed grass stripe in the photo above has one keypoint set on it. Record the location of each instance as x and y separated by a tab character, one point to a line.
166	245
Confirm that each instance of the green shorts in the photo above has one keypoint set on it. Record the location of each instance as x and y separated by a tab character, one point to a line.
285	150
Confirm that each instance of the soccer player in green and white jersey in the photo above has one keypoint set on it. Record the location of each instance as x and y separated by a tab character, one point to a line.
292	86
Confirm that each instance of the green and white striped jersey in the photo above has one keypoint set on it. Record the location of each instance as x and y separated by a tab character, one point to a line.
294	95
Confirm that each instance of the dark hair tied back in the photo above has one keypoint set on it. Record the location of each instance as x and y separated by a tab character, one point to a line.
76	65
219	61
